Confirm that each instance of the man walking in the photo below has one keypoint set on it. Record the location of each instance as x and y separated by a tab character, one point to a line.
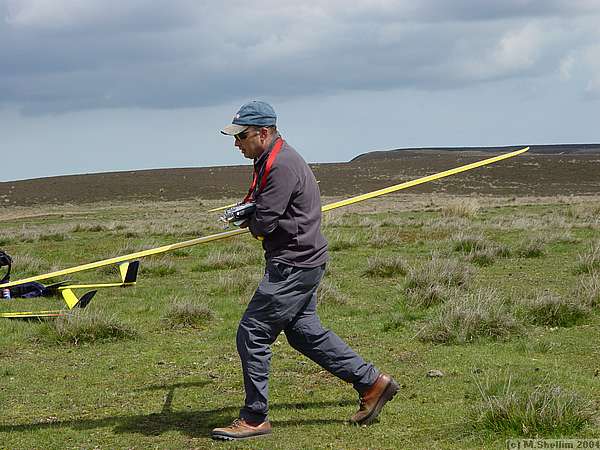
287	219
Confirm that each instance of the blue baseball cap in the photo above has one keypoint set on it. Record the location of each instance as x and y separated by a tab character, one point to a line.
254	113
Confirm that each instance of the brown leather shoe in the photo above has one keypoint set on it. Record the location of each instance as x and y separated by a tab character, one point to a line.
240	429
373	399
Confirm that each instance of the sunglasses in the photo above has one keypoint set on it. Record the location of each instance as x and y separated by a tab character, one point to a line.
244	134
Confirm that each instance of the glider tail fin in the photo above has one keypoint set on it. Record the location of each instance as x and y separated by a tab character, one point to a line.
72	301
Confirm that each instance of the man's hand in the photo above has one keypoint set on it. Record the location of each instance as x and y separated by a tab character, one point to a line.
238	214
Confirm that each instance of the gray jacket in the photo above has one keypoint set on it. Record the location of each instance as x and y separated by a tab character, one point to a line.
288	211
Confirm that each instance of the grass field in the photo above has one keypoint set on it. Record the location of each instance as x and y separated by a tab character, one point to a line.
486	312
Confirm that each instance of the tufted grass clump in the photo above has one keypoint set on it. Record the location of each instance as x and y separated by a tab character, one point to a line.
531	248
85	327
528	345
430	295
436	281
588	290
337	219
545	410
54	237
252	250
223	259
157	267
6	240
338	241
227	259
385	266
482	258
91	228
27	264
549	309
29	235
467	243
471	316
449	272
239	282
132	246
466	208
479	250
402	318
385	239
329	293
218	260
563	237
187	313
589	261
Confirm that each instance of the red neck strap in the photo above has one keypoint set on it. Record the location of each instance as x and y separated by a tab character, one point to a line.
263	179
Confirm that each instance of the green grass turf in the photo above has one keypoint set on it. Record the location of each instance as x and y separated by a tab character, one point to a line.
168	387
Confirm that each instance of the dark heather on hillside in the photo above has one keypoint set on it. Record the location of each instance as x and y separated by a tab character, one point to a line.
563	172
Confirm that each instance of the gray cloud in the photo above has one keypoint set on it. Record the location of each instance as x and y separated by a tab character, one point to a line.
64	55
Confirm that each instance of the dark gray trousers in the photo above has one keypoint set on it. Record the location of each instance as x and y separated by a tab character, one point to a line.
286	300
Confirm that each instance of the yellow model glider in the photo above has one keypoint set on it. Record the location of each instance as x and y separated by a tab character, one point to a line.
33	314
128	264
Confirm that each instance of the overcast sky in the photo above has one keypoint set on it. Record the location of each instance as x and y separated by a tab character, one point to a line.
104	85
